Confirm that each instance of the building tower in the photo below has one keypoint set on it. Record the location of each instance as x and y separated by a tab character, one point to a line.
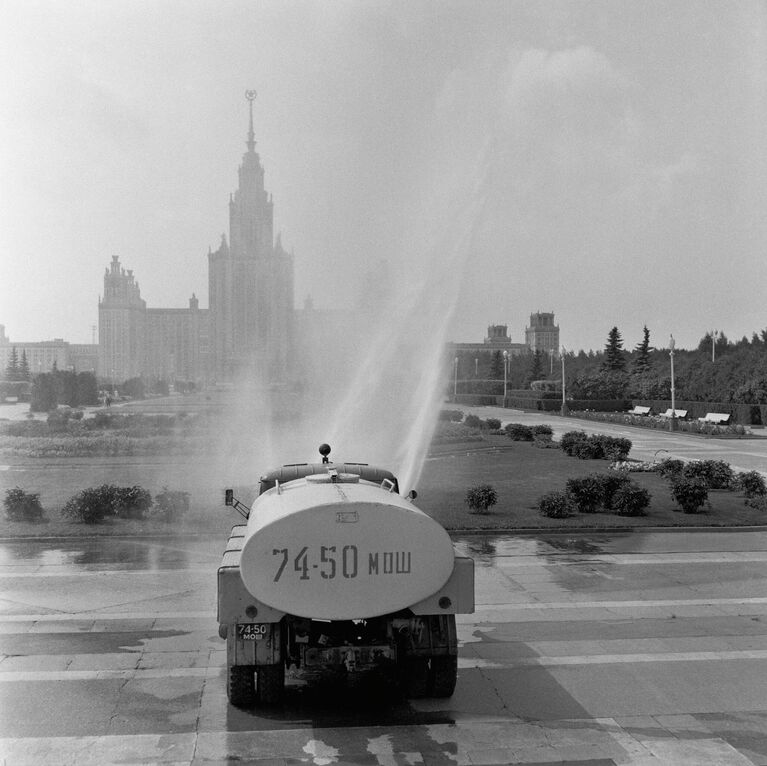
250	284
122	321
542	334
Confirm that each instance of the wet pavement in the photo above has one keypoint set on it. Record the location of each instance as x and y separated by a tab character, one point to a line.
626	648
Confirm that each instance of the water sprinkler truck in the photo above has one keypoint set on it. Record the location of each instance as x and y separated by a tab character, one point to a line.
336	577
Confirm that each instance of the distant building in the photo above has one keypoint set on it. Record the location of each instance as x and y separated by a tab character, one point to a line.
497	339
150	343
42	356
249	327
542	334
122	323
250	285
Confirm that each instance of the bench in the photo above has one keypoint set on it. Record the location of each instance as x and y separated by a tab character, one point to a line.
669	413
640	410
718	418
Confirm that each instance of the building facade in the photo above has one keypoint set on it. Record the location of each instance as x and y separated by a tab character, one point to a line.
248	329
542	334
47	355
250	284
149	343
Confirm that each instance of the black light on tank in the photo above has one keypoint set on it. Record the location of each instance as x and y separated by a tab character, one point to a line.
325	451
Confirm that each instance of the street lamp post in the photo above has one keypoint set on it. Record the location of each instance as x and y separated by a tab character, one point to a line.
564	397
455	379
713	345
505	374
671	345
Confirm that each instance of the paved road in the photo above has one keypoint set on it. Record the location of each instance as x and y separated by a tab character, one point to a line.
643	648
742	454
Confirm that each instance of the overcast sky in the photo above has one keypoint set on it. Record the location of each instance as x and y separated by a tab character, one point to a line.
612	155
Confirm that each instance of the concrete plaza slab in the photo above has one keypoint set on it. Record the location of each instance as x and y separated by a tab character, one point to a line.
648	648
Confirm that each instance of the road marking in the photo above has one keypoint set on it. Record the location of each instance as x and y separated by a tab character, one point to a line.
464	663
105	675
106	616
537	605
612	659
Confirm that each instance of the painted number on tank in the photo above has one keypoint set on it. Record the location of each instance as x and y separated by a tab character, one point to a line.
330	563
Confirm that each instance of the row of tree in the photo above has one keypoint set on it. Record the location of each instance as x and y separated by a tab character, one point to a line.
17	368
718	370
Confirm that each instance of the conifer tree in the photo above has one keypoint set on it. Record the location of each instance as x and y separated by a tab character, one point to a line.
642	359
24	373
614	359
12	369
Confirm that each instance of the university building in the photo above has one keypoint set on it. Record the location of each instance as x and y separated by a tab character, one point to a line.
248	329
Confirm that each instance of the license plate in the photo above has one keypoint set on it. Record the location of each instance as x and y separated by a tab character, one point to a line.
252	631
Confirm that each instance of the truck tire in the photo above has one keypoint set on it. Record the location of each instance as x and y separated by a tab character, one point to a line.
271	684
241	687
415	677
444	674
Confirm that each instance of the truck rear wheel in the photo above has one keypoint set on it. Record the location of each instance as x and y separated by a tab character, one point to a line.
444	674
271	683
241	686
415	677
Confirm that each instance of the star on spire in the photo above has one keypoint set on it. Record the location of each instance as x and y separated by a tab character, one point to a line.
251	142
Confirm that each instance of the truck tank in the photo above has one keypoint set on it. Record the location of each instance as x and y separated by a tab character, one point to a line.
336	575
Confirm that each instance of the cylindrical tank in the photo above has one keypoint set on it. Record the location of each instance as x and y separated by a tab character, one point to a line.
340	550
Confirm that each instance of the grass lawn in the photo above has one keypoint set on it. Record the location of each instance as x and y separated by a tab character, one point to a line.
519	472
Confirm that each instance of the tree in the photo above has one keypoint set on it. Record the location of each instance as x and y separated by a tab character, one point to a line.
43	393
12	370
614	359
24	373
642	359
496	366
87	389
536	368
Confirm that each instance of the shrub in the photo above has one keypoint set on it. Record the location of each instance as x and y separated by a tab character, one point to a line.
543	430
690	494
544	441
611	483
588	449
716	473
472	421
670	468
130	502
22	506
170	505
630	500
519	432
587	493
480	498
447	433
452	416
758	501
615	447
90	506
751	484
570	440
556	505
493	424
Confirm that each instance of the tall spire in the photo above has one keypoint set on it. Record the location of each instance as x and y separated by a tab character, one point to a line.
251	142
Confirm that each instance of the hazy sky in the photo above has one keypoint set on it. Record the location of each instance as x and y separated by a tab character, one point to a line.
614	153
